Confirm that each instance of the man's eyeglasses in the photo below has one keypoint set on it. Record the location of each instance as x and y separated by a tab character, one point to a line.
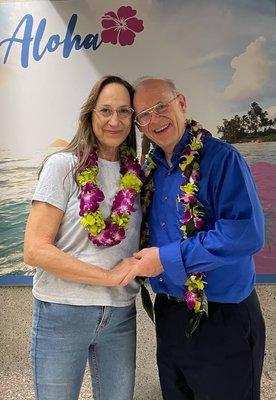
144	117
123	112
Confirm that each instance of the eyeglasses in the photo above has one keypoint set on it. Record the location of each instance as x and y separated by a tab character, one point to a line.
144	117
123	112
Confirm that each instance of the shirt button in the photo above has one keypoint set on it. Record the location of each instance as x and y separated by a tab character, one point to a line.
163	223
160	279
169	173
166	198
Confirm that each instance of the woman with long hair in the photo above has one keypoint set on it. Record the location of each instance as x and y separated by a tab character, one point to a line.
83	228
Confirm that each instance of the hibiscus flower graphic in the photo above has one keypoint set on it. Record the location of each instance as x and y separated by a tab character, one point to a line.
121	27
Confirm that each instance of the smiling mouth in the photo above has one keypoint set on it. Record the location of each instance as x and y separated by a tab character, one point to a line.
162	128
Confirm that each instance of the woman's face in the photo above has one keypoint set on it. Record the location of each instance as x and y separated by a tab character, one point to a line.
112	130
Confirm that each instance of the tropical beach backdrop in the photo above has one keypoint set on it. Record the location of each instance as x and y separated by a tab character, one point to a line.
19	176
220	54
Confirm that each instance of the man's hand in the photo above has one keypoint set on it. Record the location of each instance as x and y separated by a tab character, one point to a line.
148	264
120	271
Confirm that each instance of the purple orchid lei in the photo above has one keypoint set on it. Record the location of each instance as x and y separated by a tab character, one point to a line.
192	221
109	232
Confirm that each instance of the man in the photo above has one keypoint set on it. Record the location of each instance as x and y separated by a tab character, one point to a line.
223	358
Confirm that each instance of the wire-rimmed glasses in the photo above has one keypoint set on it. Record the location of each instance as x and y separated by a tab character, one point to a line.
144	117
122	112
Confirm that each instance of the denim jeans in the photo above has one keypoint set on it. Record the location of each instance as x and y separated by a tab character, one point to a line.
64	337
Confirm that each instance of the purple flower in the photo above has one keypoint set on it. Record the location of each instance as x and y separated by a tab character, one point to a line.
110	236
204	133
198	222
91	161
90	198
187	217
195	175
124	202
190	298
121	27
130	165
187	198
188	152
187	171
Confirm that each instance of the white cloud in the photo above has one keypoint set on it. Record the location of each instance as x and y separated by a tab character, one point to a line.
252	72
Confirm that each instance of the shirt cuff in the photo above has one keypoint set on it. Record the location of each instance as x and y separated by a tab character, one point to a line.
171	260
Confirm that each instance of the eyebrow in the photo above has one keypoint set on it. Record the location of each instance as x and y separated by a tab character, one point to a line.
108	105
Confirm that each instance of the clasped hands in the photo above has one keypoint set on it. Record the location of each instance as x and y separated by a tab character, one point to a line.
145	263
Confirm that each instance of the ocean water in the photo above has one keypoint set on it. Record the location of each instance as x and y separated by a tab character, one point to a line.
258	152
18	177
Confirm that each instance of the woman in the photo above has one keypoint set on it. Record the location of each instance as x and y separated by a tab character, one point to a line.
82	223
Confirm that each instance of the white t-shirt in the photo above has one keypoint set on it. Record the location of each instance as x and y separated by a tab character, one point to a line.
57	186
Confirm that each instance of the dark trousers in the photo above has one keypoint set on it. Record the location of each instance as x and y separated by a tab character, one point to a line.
222	361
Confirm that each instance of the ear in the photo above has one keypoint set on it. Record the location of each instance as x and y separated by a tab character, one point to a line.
182	103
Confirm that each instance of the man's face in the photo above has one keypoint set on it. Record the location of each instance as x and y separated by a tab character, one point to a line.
165	129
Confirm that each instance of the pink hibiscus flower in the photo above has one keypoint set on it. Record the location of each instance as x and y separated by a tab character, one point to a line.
121	27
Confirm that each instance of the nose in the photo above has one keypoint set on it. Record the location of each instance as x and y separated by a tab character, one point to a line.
114	120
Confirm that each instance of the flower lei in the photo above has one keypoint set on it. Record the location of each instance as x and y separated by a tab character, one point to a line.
192	221
111	231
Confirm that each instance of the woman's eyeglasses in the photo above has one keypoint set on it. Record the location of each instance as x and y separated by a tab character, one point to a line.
123	112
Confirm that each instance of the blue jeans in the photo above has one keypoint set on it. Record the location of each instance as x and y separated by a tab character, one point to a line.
64	337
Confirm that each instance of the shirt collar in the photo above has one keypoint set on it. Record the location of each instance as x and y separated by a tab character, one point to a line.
159	155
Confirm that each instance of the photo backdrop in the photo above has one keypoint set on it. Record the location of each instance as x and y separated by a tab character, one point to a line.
221	54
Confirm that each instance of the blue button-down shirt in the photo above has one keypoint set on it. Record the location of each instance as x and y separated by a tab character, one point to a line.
234	224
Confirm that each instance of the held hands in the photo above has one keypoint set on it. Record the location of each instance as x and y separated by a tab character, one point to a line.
147	264
116	275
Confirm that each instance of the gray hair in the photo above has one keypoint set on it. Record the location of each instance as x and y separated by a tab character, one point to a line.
145	78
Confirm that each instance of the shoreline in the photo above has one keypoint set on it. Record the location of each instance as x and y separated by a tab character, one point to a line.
258	139
253	141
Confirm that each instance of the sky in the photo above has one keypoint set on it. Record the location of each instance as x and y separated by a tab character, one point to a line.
220	53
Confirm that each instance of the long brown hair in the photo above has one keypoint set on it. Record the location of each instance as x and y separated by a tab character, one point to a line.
85	138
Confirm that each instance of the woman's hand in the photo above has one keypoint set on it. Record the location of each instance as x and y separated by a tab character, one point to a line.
148	264
117	274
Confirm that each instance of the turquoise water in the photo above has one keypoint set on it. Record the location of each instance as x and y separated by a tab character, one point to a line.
18	176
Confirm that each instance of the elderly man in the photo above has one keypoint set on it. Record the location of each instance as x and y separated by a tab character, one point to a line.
205	223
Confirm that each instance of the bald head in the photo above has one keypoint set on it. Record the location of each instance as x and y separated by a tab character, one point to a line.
149	79
167	121
152	88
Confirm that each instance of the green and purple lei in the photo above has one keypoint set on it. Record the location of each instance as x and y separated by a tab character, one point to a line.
191	222
111	231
